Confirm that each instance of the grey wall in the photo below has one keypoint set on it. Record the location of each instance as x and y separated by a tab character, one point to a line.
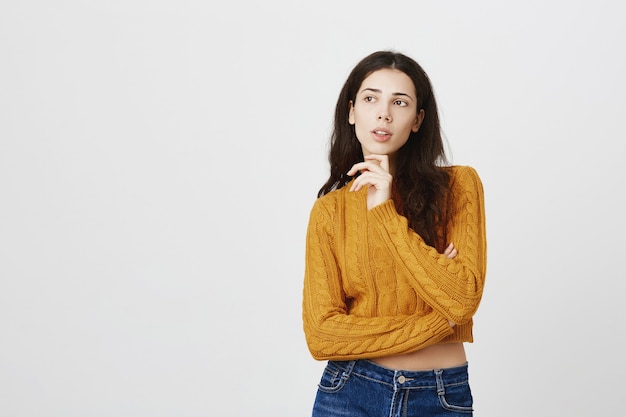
158	161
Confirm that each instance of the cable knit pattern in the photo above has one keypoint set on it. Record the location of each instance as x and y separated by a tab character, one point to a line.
373	287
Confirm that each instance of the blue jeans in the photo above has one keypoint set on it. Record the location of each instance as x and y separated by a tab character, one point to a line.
362	388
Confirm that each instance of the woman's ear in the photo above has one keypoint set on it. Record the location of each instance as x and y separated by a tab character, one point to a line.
418	121
351	113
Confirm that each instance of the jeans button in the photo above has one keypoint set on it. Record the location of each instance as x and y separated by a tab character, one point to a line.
401	379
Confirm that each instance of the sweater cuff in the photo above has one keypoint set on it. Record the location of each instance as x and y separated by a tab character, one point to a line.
384	211
439	325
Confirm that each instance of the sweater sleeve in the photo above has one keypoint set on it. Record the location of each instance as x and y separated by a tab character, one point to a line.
332	333
452	287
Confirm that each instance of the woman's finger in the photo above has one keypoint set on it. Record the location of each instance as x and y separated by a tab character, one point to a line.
383	160
379	181
366	166
450	251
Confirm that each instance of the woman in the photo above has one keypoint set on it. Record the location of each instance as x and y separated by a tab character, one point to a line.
396	253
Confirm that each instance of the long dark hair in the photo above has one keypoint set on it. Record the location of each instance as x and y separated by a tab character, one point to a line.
421	182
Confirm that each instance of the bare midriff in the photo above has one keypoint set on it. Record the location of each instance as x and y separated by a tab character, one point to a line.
447	355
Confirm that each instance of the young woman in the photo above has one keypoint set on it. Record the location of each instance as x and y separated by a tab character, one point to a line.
395	253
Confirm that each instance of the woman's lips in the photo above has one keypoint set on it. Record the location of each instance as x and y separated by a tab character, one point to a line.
381	134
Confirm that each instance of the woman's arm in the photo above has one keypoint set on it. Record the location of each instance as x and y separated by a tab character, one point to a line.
452	287
331	333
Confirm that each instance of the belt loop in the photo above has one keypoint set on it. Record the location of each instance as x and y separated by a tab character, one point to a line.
348	371
439	378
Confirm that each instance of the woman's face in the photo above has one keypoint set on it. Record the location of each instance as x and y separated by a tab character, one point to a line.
385	112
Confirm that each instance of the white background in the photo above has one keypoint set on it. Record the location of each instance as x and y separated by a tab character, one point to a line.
158	161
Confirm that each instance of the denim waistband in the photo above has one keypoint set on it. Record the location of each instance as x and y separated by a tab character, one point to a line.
435	378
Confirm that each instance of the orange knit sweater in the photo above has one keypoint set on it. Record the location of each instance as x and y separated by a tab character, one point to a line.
373	287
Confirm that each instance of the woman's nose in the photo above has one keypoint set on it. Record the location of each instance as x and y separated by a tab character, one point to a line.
384	115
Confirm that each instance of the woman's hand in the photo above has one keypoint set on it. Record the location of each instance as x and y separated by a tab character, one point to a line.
375	175
451	251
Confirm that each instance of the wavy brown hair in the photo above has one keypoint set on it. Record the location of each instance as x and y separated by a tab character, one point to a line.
421	180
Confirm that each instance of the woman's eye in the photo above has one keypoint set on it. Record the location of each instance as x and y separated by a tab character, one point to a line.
400	103
369	99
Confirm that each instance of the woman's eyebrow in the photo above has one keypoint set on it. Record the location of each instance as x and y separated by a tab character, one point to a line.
378	91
